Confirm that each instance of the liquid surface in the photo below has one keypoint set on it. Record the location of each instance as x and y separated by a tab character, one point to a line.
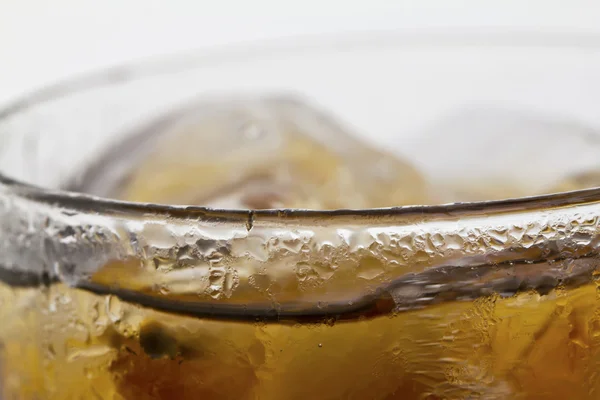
58	342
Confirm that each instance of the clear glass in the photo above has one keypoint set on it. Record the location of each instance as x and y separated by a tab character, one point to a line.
496	299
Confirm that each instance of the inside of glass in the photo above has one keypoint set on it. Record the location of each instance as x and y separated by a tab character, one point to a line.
405	120
487	300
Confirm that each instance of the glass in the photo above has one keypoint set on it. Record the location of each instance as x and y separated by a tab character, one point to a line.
495	299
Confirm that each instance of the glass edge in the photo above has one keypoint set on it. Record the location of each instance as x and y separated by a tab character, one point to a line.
171	63
248	50
86	203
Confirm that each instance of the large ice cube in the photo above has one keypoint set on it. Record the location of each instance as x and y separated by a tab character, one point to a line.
493	153
255	152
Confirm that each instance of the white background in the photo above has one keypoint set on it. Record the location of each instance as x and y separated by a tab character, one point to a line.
42	41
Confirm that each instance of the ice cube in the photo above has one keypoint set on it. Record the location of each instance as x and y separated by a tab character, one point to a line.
493	153
256	152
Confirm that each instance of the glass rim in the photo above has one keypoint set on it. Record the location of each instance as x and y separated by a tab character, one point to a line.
246	51
535	243
425	253
82	202
253	49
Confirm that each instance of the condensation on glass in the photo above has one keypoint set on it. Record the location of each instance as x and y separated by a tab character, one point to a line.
310	259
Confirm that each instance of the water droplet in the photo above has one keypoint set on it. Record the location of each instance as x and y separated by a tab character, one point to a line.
324	270
88	352
94	311
369	268
437	240
454	241
516	233
307	276
260	282
221	282
114	308
164	289
231	282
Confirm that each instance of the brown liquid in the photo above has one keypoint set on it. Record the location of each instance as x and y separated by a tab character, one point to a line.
58	342
67	343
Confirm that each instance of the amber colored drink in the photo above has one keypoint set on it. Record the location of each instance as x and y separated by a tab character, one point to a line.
60	342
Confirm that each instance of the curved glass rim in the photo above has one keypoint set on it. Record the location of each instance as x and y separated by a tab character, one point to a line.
87	203
244	51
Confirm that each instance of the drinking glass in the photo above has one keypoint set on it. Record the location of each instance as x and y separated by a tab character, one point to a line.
490	296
